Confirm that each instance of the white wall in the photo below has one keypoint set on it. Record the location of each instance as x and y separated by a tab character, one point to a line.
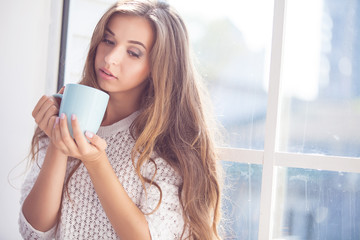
29	46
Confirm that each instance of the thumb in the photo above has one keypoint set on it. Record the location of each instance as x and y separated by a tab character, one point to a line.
62	90
95	140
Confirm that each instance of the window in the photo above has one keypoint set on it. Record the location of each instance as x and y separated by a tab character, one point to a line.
318	123
284	79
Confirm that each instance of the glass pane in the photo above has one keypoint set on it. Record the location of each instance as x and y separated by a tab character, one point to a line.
241	200
314	204
321	87
231	41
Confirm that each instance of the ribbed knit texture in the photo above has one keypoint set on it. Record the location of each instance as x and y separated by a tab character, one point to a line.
82	216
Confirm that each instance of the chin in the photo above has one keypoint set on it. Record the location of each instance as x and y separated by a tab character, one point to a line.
107	87
103	85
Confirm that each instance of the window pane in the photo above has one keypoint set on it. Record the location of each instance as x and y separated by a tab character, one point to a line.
321	87
231	41
317	205
241	200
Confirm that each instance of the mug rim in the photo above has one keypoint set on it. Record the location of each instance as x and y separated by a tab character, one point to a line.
86	86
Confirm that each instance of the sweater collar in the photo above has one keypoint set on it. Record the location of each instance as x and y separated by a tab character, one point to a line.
124	124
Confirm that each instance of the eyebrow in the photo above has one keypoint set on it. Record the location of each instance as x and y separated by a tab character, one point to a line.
130	41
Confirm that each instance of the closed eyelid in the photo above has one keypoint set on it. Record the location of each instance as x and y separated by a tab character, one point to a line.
136	51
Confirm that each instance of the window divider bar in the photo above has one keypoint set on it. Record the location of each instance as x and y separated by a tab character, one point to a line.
268	185
63	42
241	155
318	162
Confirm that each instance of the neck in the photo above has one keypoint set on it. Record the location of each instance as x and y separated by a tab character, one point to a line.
119	107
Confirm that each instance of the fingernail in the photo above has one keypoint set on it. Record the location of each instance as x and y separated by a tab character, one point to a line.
62	116
89	134
73	117
57	119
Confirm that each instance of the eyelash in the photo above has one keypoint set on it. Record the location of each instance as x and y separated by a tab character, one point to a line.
107	41
131	53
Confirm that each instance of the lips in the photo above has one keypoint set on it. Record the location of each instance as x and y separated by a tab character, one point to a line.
106	74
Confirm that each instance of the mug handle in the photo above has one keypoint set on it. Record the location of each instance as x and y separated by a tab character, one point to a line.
57	95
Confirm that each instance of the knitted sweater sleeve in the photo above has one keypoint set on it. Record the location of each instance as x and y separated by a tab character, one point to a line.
167	221
26	230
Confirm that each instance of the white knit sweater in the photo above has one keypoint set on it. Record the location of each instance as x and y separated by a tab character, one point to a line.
82	217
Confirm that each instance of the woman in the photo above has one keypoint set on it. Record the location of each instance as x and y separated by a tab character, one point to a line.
150	172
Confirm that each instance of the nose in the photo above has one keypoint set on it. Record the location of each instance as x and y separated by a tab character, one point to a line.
114	57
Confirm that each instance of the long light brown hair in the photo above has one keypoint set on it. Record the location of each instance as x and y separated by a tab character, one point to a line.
174	120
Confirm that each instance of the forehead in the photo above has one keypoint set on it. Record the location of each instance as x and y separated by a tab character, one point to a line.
131	28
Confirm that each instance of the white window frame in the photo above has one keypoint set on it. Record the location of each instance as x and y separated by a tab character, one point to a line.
270	157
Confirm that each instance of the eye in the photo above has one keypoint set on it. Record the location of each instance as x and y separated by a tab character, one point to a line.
134	54
107	41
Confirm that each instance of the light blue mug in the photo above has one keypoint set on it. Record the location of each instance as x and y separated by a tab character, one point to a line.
87	103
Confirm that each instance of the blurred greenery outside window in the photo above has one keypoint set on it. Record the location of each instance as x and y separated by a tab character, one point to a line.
284	80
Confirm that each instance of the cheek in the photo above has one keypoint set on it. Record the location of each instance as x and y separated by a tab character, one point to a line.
143	74
145	69
139	72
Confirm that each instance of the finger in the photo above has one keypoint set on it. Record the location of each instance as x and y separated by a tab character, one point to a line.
52	110
39	104
57	101
78	134
47	124
44	108
95	140
51	113
56	136
51	123
65	135
43	117
55	133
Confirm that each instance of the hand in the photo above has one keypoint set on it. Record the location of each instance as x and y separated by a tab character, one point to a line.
78	147
45	112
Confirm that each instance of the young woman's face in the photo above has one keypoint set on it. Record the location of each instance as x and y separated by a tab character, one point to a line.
122	62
